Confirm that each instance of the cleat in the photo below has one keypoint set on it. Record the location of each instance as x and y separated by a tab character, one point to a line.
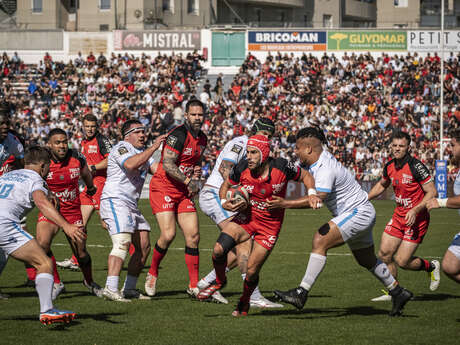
205	294
150	285
56	316
29	283
241	309
94	288
58	288
262	302
4	295
217	297
297	297
68	264
192	292
113	295
134	294
435	275
384	298
399	298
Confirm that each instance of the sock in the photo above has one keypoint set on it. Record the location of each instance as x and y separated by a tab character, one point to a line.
192	260
314	268
158	255
57	279
219	266
44	287
112	283
256	294
132	249
381	271
248	289
425	265
85	267
130	282
31	272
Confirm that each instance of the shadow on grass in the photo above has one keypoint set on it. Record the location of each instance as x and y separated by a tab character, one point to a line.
104	317
435	297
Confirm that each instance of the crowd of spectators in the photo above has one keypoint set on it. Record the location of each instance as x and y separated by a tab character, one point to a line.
357	99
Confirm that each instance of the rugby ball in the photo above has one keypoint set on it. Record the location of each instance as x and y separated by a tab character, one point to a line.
238	193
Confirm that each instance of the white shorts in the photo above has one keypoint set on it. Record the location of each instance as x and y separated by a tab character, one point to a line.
121	216
455	246
13	237
356	226
211	206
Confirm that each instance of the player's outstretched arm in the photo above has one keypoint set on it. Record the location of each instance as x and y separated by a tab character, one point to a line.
75	232
137	160
452	202
378	189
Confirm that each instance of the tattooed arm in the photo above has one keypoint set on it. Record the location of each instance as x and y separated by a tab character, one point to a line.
170	167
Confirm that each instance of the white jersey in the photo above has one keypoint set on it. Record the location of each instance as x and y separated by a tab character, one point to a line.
120	183
16	188
457	186
234	151
344	192
11	146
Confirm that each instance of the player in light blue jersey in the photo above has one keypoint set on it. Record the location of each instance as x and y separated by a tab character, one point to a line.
352	222
451	260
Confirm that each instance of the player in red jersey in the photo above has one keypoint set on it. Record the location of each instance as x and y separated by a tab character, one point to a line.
264	178
172	188
67	166
95	147
413	187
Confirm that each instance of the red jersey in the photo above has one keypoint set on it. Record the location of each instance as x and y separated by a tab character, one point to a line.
63	179
407	179
261	190
190	150
96	150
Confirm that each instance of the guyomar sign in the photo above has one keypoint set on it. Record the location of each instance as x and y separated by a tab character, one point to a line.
366	40
287	40
157	40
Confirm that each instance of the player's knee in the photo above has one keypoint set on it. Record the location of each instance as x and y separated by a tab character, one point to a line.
44	264
168	236
385	256
193	240
224	244
401	262
121	243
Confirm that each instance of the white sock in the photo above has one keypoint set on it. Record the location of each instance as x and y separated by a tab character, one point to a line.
130	282
44	287
381	271
314	268
112	283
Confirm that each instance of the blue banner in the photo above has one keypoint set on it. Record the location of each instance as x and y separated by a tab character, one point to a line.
441	178
287	40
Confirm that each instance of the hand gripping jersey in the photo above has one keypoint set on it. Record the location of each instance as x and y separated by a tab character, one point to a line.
16	188
63	179
95	150
407	180
10	150
234	151
189	148
120	183
344	192
261	190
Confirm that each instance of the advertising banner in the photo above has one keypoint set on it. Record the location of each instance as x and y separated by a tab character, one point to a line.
430	41
157	40
441	178
366	40
287	40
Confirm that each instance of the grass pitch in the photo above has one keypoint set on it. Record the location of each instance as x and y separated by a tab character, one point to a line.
338	310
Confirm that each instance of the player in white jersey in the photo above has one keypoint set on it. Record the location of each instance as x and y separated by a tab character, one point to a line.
128	165
20	191
451	260
232	153
352	222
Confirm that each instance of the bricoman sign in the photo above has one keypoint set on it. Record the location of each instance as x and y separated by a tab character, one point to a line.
430	41
287	40
157	40
366	40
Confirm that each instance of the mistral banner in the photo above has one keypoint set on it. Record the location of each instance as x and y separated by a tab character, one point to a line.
287	40
157	40
430	41
366	40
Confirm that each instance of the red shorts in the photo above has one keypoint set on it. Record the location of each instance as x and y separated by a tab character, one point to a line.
264	233
94	200
71	216
173	202
397	227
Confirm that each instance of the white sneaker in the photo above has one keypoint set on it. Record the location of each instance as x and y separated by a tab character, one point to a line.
262	302
113	295
218	298
4	295
202	284
150	285
67	263
435	275
58	288
384	298
134	294
192	292
94	288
